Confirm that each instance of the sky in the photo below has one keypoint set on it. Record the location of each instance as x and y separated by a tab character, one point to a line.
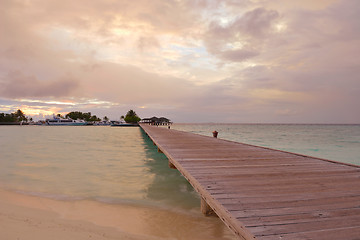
232	61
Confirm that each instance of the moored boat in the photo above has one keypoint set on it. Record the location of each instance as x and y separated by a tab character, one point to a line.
123	124
56	121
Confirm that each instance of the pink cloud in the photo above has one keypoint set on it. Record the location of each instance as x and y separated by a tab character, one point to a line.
186	57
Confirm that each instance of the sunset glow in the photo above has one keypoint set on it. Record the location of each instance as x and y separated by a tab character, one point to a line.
217	61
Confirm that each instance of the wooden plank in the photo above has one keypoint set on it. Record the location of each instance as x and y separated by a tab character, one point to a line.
275	176
296	187
280	195
348	221
261	193
281	179
288	210
299	218
268	203
348	233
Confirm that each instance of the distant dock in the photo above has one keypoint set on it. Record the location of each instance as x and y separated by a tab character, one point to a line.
266	194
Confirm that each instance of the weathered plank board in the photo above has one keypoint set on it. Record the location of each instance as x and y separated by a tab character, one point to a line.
261	193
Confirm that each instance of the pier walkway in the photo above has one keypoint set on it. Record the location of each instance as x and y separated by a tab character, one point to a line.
261	193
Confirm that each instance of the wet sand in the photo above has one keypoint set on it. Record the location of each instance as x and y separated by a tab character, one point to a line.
36	218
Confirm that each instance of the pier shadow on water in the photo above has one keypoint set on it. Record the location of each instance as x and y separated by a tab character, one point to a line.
169	187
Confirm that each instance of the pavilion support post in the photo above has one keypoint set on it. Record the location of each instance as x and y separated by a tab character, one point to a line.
206	209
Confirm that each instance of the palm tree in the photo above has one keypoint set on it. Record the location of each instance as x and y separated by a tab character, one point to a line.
131	113
20	116
131	117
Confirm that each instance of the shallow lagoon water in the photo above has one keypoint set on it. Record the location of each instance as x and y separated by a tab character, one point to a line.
110	164
115	167
110	176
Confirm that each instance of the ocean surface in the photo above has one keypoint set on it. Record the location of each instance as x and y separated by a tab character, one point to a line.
329	141
110	164
112	167
119	166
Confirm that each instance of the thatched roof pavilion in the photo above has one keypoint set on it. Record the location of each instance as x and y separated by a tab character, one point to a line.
156	121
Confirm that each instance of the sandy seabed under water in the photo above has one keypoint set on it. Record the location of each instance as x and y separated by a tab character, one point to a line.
37	218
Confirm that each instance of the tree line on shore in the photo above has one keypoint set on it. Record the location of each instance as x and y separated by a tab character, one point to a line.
84	116
130	117
19	116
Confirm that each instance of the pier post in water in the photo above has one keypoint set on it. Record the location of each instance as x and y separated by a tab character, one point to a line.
205	208
171	165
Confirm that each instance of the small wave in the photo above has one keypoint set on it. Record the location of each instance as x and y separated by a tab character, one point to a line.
314	149
60	197
146	203
39	165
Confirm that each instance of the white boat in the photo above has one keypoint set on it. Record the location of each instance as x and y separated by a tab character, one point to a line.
102	123
65	122
123	124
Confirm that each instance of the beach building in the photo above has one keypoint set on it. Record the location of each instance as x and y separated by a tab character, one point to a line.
156	121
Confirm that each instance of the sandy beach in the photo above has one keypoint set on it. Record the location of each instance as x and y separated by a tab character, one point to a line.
36	218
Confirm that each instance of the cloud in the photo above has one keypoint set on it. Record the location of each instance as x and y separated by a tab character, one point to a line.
238	55
132	85
257	22
18	85
242	38
145	43
270	60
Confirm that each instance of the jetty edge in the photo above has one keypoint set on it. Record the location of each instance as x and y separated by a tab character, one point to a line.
262	193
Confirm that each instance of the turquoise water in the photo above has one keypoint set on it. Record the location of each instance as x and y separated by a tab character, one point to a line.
118	166
334	142
113	165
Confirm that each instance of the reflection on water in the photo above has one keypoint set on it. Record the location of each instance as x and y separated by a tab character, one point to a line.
115	172
108	164
168	185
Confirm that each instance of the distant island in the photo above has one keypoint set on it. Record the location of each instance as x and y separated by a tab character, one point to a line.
83	116
19	118
79	118
15	118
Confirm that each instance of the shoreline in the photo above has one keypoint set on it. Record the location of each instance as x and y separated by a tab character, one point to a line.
37	218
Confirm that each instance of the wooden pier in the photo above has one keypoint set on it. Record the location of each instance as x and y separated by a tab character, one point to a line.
261	193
